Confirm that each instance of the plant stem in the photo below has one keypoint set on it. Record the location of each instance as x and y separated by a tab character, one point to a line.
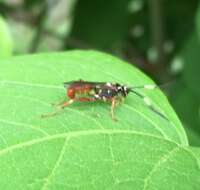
157	29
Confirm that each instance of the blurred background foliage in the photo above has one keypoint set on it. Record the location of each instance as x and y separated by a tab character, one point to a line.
160	37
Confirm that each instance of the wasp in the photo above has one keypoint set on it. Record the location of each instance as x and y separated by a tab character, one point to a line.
87	91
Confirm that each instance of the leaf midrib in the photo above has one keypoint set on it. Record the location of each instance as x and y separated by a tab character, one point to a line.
75	134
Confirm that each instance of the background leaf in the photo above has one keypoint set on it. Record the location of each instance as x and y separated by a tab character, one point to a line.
83	148
198	21
5	40
190	56
186	102
185	94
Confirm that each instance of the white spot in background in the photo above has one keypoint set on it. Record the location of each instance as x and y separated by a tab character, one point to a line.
168	46
152	54
135	6
59	12
137	31
177	65
14	2
147	101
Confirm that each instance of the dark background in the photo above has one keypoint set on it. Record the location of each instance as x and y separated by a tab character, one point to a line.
161	37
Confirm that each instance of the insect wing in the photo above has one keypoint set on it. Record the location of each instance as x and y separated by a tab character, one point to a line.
80	82
74	83
67	84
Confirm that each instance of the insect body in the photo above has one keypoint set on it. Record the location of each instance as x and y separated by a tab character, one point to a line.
85	91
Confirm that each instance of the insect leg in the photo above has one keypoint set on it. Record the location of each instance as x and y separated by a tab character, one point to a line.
113	105
61	107
148	103
65	104
84	99
58	103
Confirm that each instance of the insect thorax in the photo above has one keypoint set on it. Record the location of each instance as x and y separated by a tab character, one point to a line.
109	91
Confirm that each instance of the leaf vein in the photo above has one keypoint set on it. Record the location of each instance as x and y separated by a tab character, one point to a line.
19	83
47	180
161	161
149	120
24	125
75	134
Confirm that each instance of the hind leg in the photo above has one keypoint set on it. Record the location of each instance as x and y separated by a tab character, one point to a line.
61	106
64	104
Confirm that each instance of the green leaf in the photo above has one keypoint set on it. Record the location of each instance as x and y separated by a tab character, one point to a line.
193	136
198	21
83	148
181	98
5	40
180	21
190	57
186	92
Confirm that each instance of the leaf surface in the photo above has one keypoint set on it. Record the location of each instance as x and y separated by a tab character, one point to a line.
82	147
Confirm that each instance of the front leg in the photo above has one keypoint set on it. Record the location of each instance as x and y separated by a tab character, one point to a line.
113	105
